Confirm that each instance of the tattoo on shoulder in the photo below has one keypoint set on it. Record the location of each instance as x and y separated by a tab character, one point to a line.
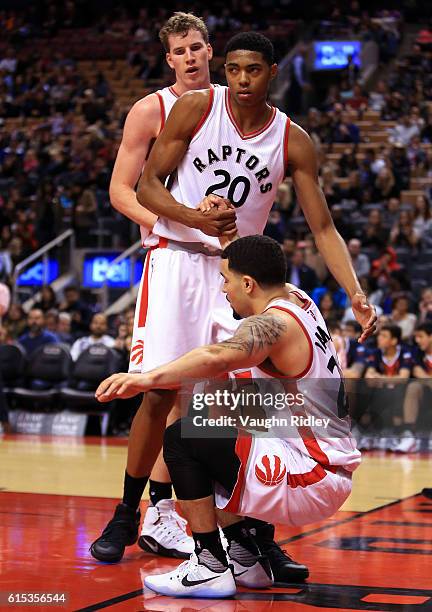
256	333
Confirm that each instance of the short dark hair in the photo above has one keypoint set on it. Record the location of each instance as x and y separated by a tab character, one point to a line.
425	327
395	330
260	257
251	41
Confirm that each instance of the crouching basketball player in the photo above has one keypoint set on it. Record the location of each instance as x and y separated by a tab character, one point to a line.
288	479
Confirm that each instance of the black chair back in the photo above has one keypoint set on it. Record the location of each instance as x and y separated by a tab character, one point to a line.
93	365
13	361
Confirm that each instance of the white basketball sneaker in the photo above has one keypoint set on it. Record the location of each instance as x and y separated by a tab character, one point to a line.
164	532
408	443
251	571
193	579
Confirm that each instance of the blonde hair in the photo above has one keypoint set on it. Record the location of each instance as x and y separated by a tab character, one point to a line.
180	24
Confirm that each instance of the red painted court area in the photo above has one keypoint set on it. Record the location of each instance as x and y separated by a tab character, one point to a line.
378	560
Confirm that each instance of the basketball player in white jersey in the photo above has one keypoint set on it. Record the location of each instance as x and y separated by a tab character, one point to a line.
185	39
295	474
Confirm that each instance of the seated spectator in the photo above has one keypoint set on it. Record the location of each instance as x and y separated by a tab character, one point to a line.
416	391
275	227
123	340
335	330
392	211
98	329
375	234
404	131
327	307
77	308
15	321
47	300
353	191
354	351
388	361
51	320
377	98
400	167
299	274
421	214
359	100
360	261
425	305
329	186
64	328
84	217
390	358
385	264
37	335
342	224
385	185
288	248
401	316
347	162
403	233
344	130
284	201
423	355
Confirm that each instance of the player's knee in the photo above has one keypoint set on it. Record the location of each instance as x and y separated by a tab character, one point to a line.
173	443
157	404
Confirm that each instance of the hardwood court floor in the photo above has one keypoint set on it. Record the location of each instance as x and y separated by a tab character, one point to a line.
375	554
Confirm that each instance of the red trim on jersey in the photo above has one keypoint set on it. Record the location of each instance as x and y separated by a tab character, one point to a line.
305	301
309	365
242	450
173	91
285	143
163	243
315	451
142	317
237	127
206	114
162	109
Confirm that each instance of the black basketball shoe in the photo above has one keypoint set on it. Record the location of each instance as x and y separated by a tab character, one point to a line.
121	531
285	569
427	493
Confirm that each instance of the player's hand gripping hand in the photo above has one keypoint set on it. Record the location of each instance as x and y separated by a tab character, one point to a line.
365	315
217	216
121	385
221	204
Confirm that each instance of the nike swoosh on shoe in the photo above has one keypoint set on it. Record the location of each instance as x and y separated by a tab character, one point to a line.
188	583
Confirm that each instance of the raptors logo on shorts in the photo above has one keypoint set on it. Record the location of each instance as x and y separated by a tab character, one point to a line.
136	354
270	470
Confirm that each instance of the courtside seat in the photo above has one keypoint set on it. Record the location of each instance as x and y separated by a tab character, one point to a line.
13	362
92	366
48	369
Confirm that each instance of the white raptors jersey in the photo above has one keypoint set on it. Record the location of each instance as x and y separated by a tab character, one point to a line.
167	98
245	168
320	387
303	473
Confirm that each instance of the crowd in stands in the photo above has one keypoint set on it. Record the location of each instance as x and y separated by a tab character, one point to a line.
60	127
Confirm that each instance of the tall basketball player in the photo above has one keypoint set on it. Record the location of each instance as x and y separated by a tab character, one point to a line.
185	39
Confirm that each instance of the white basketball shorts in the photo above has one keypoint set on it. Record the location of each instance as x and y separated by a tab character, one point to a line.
180	307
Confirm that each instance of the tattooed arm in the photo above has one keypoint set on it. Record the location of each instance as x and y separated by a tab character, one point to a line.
251	345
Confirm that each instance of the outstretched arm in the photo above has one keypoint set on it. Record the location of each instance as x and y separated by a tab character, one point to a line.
304	170
250	346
